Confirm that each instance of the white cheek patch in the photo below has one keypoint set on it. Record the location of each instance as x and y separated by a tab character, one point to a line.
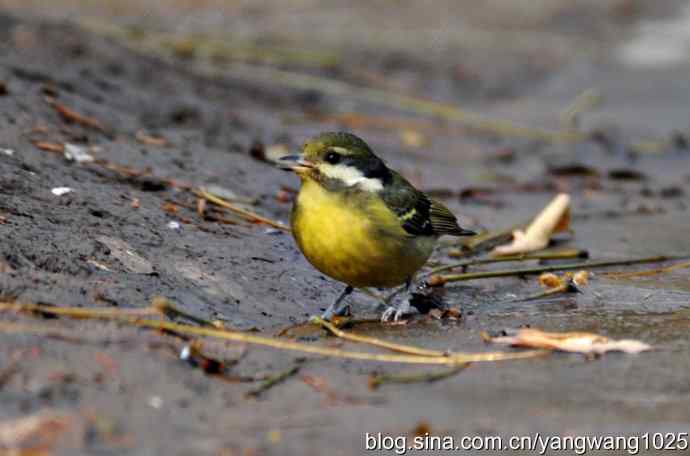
351	176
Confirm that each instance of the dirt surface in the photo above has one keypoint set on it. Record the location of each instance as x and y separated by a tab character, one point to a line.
157	125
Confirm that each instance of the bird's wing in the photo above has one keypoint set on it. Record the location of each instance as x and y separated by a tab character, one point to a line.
444	222
419	215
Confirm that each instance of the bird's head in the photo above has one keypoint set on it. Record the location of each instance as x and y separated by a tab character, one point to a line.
337	161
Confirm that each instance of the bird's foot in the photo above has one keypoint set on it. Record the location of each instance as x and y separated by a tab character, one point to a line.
396	312
345	311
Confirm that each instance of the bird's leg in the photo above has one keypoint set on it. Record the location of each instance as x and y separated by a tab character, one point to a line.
396	311
337	309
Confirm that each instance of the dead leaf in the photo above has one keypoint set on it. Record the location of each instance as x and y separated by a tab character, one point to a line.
554	218
581	278
573	342
550	280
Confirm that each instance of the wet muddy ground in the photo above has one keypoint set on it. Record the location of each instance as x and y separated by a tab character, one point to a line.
165	121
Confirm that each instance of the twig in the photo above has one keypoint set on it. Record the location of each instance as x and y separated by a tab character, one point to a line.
568	287
376	381
486	241
251	216
650	272
439	280
450	359
71	115
272	381
557	255
79	312
165	307
376	342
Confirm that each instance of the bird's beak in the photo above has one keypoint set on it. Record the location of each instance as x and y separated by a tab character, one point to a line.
295	163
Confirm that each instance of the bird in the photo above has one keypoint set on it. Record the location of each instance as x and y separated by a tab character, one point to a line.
360	222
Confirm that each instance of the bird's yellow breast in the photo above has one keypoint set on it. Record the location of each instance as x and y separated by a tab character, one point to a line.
355	238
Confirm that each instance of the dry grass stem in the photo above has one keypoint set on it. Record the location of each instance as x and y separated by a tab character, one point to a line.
376	342
128	318
248	215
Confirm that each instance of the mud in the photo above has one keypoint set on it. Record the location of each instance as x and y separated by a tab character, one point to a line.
92	246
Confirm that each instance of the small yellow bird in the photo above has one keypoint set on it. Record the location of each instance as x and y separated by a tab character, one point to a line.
360	222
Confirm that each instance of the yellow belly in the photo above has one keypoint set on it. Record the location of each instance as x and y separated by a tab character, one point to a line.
356	241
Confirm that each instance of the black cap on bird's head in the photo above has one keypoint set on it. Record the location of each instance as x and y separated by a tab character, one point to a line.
339	159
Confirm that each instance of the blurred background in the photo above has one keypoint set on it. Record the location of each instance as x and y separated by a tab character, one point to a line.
453	51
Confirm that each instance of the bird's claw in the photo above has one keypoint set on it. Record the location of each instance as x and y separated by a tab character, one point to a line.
395	313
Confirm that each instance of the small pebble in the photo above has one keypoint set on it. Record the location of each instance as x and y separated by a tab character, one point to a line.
59	191
173	225
156	402
77	154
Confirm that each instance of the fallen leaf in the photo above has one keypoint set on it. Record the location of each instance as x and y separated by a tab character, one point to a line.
136	203
573	342
554	218
581	278
550	280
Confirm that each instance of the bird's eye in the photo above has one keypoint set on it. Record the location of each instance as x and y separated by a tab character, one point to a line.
332	157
